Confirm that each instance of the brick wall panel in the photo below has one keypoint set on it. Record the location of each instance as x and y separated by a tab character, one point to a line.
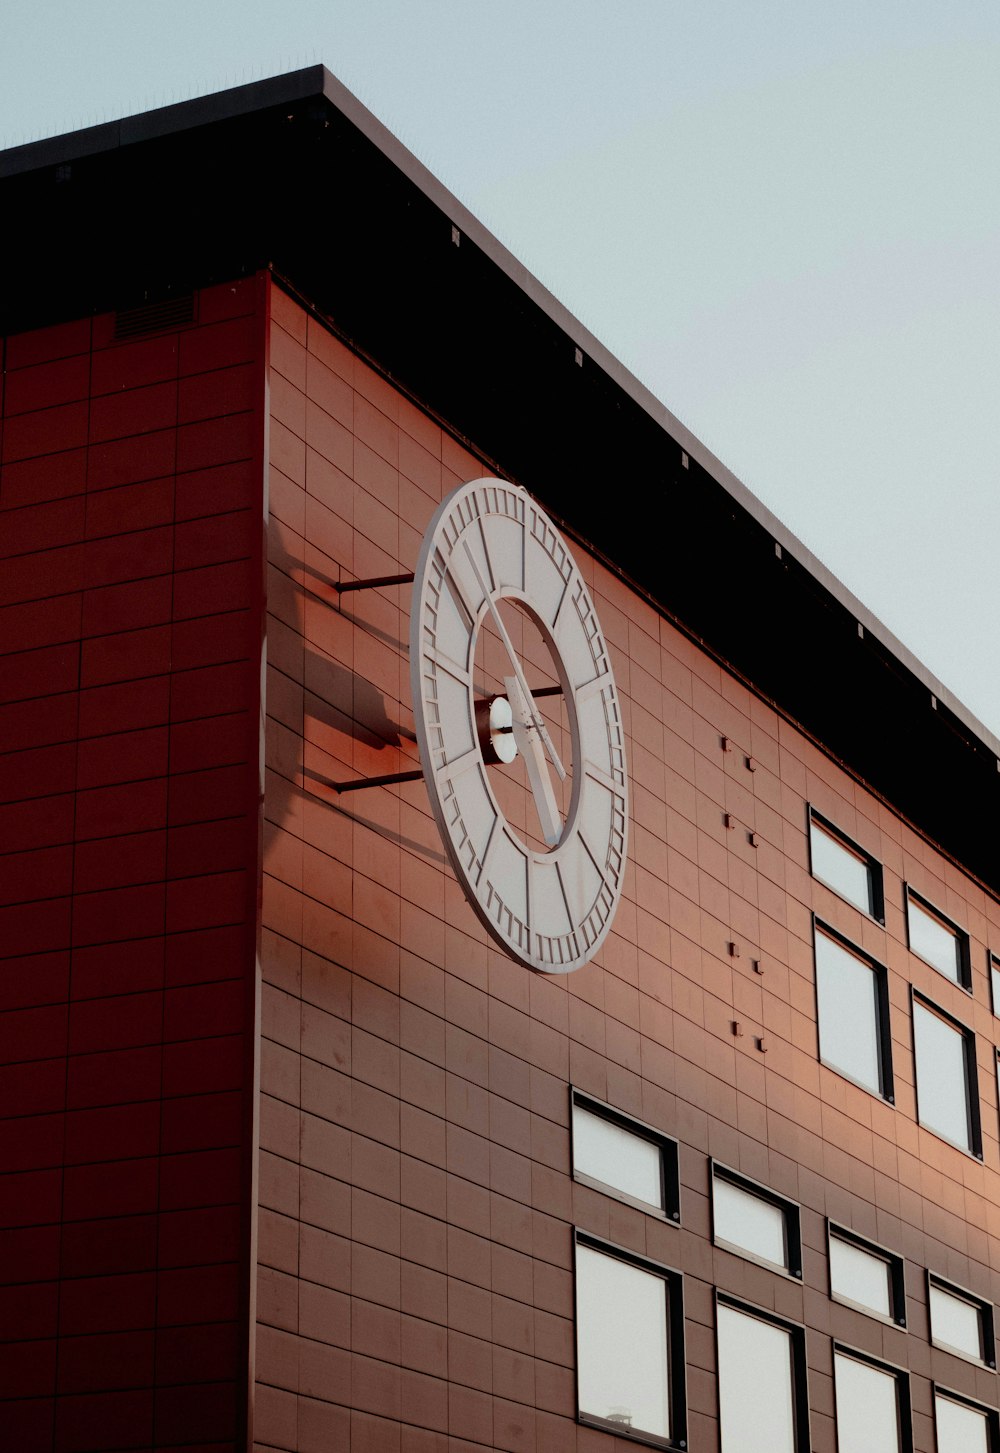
456	1202
415	1191
47	476
98	1167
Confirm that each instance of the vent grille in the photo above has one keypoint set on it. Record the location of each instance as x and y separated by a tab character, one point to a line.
155	317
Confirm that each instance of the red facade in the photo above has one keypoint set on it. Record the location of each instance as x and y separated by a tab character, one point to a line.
130	616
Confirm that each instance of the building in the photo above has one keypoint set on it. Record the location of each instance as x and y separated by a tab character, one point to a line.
294	1155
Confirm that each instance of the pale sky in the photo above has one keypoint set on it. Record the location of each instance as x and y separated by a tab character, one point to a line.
784	218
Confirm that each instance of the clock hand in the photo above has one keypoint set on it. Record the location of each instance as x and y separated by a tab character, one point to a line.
529	744
533	712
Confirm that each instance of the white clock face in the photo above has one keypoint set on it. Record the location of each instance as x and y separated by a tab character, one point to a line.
546	889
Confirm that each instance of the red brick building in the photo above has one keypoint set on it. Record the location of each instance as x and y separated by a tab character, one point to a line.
293	1155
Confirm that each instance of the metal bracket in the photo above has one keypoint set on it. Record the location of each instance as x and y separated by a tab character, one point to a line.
358	783
372	583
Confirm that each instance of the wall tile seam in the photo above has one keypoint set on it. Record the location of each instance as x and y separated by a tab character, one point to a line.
220	614
121	996
125	580
438	1380
108	445
308	1107
102	439
164	830
390	1205
68	1112
445	1282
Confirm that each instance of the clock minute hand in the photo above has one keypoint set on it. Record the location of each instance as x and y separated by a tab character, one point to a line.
534	713
530	747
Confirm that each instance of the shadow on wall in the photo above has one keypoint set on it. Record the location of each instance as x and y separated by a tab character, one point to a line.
340	711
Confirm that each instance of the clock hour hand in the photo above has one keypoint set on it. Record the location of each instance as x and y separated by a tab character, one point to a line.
534	715
529	744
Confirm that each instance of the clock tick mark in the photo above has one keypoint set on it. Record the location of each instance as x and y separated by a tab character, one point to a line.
453	668
598	774
596	684
459	593
458	766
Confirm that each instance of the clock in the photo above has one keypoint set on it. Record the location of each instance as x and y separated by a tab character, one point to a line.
546	888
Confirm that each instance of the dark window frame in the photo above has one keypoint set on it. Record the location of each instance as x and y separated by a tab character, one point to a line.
993	962
876	877
676	1353
670	1185
971	1075
887	1090
902	1379
986	1320
964	980
789	1209
800	1372
897	1274
991	1414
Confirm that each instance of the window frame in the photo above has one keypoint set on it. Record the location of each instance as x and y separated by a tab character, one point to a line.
964	979
883	1024
670	1187
900	1374
993	967
800	1374
897	1275
876	878
975	1150
789	1210
992	1416
986	1321
676	1369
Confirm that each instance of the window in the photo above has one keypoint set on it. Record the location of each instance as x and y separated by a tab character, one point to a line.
852	1009
866	1276
947	1095
960	1322
629	1344
873	1405
937	941
619	1155
995	982
963	1427
762	1382
754	1222
844	867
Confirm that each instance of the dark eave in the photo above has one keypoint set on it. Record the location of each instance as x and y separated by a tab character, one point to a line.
295	174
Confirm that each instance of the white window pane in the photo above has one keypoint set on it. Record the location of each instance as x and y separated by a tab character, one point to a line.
959	1429
860	1277
956	1322
867	1407
933	941
847	997
995	985
621	1321
613	1155
748	1221
942	1087
838	867
756	1407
